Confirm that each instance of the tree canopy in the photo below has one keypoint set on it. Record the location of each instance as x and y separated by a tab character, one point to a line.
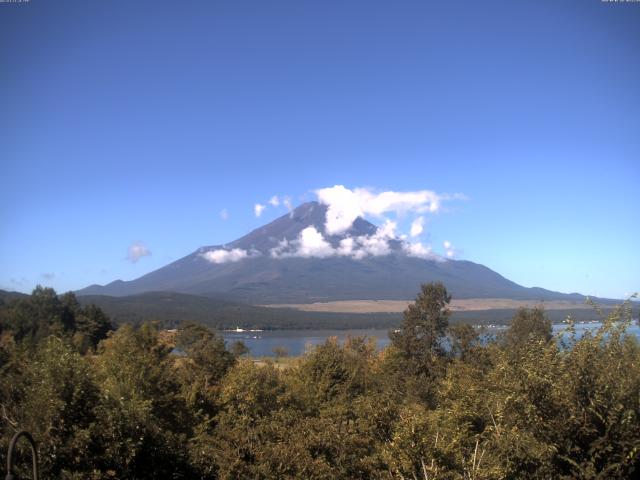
441	402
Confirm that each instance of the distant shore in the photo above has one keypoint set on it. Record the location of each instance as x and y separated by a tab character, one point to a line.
456	305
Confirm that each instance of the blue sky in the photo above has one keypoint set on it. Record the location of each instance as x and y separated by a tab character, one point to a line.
139	121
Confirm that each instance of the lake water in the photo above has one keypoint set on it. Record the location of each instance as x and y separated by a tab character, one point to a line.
296	342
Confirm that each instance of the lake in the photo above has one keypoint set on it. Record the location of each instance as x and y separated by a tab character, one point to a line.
296	342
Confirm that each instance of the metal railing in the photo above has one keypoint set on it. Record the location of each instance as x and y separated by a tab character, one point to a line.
11	453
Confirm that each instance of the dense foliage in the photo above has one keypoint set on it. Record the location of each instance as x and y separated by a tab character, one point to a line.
439	403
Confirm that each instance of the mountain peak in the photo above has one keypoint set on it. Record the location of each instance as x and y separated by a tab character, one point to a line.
306	209
288	227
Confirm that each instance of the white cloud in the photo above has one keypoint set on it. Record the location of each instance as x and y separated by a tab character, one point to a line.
345	205
313	244
136	251
420	201
417	249
48	275
258	208
378	243
347	248
280	250
450	250
388	229
417	227
224	214
368	245
275	201
224	256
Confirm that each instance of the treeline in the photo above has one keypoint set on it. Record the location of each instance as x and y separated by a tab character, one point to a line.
121	405
172	308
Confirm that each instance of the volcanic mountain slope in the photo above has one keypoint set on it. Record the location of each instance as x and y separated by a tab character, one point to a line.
265	271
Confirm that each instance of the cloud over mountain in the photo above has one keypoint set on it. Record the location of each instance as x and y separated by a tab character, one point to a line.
450	250
312	243
329	231
136	251
224	256
345	205
417	227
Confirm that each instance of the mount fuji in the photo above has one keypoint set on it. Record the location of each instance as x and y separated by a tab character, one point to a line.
295	260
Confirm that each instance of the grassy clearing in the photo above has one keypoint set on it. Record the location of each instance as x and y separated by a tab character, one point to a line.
457	305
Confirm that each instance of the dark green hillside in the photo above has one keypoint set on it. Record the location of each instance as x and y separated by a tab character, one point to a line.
174	308
6	296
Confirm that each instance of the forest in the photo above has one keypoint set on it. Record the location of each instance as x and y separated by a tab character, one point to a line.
443	401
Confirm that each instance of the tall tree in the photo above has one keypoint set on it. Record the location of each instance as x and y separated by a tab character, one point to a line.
416	358
425	323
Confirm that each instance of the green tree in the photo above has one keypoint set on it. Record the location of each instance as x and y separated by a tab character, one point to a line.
92	323
238	349
207	352
425	324
144	422
54	397
527	325
416	357
250	397
45	313
464	340
332	373
37	316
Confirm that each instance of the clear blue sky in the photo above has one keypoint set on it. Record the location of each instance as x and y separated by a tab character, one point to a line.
127	121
